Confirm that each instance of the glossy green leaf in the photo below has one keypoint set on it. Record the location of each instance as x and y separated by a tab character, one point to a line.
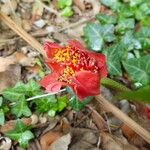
20	133
21	108
2	117
66	12
138	69
96	34
106	19
64	3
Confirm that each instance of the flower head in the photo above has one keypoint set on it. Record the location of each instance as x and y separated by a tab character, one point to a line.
75	66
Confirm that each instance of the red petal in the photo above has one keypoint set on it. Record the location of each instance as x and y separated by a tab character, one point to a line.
78	45
50	78
50	48
55	67
86	83
54	87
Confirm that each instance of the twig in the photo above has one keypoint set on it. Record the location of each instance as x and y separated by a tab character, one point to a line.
106	104
124	118
29	39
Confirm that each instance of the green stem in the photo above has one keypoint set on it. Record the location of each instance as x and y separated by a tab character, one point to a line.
113	84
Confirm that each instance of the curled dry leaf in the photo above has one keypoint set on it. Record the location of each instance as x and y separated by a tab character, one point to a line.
61	143
6	61
11	124
5	143
47	139
110	142
10	76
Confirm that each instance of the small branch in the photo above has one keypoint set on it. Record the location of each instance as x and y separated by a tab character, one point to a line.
29	39
124	118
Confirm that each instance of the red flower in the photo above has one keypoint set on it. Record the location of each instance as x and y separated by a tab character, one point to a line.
75	66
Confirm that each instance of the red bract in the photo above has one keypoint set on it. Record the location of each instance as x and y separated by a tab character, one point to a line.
75	66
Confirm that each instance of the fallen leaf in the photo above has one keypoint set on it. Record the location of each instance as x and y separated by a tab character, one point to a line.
23	60
6	61
9	125
111	142
61	143
48	138
10	76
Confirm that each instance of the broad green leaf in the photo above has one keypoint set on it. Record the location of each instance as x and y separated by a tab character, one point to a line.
21	108
96	34
143	35
125	24
138	69
130	42
141	94
114	55
64	3
20	133
113	4
106	19
66	12
1	101
135	2
25	137
12	95
2	117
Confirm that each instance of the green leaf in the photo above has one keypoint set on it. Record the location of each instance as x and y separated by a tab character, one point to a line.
141	94
138	69
96	34
106	19
1	101
12	95
2	117
62	102
76	104
64	3
21	108
66	12
114	55
20	133
45	104
125	24
130	42
113	4
143	35
32	88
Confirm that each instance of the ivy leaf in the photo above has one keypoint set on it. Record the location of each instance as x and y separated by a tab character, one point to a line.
2	117
20	133
32	88
106	19
114	55
113	4
21	108
12	95
125	24
76	104
138	69
96	34
130	42
143	35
